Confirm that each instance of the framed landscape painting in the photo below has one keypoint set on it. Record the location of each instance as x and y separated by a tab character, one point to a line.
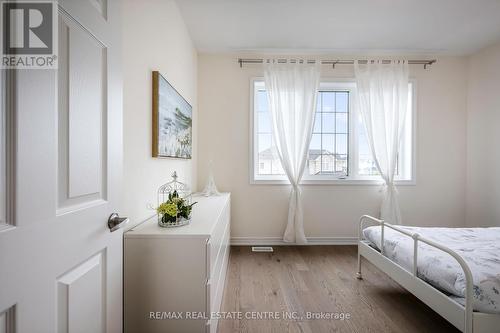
172	121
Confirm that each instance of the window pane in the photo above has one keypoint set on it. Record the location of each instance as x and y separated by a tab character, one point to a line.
262	101
328	150
314	162
328	101
317	123
364	147
265	154
341	144
341	163
265	167
315	142
342	102
367	166
328	125
314	154
327	144
264	143
268	161
341	123
328	164
264	125
276	168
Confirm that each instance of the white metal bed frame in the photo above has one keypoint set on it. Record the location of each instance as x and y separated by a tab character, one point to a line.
462	317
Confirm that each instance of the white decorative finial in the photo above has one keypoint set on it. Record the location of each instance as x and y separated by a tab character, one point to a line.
174	175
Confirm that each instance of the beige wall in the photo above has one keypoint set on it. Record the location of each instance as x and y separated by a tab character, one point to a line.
483	157
156	39
332	211
458	103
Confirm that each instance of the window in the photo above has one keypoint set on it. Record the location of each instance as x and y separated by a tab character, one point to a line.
339	151
329	147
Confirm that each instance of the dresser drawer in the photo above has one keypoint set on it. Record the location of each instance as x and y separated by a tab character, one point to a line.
215	243
215	285
218	275
215	272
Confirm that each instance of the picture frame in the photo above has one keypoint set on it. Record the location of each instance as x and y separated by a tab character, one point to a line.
172	121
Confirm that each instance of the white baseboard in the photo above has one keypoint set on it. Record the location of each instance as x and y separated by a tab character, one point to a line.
276	241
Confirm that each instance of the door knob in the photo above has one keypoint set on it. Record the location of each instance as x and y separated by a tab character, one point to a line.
115	222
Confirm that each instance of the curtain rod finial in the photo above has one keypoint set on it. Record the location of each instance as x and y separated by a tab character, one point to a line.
429	63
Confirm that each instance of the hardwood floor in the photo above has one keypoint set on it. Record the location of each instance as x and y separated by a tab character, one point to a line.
321	280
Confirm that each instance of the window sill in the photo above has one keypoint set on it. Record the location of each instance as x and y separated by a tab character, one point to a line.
336	182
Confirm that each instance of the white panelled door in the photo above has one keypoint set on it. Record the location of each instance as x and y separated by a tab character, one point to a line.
60	265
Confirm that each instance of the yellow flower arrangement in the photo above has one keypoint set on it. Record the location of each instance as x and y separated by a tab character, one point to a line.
174	208
177	200
167	208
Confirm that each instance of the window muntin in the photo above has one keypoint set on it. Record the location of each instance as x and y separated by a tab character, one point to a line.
329	148
339	148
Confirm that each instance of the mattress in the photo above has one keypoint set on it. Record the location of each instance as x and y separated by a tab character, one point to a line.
479	247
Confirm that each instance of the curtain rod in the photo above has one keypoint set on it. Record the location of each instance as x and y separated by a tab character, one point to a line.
334	62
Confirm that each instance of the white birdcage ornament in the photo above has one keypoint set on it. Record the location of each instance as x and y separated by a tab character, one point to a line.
174	204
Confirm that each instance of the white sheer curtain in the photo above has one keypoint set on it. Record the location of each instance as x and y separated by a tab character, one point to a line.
292	90
382	97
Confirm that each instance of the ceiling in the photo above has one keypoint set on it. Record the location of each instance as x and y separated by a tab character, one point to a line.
348	26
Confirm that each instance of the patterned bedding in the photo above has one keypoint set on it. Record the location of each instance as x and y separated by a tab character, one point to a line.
479	247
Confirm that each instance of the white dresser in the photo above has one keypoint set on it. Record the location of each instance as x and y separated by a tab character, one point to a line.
174	277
